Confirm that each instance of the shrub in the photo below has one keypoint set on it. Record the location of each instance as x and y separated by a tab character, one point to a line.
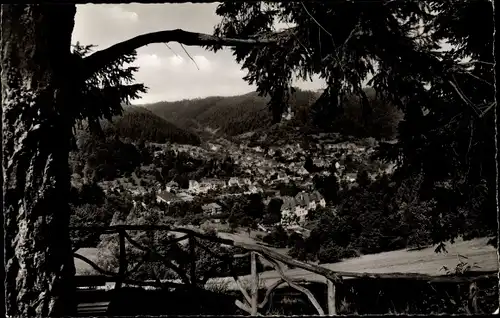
294	239
277	238
333	253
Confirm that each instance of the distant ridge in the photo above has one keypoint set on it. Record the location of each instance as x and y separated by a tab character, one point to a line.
231	115
237	115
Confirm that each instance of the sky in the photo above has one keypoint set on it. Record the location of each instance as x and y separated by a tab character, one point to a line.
168	72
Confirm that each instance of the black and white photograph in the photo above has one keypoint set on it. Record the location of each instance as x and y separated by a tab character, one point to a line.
249	158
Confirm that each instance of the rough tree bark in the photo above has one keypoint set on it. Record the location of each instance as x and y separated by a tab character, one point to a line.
40	83
35	59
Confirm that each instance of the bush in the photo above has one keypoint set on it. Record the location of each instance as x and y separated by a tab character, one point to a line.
294	239
277	238
333	254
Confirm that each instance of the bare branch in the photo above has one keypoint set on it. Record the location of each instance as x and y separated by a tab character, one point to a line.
478	62
171	50
480	79
314	19
463	97
99	59
356	28
189	55
487	109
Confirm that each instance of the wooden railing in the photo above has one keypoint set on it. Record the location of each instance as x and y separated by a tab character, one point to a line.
250	304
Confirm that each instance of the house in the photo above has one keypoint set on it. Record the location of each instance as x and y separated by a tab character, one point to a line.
282	175
167	197
184	196
315	196
312	205
233	181
301	212
213	147
172	185
322	202
319	162
138	191
302	199
315	199
288	205
194	185
302	171
212	183
211	208
253	189
351	177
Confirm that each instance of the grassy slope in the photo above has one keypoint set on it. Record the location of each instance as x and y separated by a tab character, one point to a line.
425	261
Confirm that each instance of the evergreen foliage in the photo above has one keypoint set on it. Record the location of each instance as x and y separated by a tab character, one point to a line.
446	96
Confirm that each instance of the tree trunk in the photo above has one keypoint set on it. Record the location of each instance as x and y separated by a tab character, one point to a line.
36	68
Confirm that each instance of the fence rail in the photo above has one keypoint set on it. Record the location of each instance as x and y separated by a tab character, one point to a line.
250	303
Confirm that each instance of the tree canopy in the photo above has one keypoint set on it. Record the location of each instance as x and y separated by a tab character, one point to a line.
446	96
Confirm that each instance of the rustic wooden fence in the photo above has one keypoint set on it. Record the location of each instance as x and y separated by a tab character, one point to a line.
250	303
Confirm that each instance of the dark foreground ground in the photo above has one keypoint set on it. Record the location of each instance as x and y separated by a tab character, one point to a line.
353	297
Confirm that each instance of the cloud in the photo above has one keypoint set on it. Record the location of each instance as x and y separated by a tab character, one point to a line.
175	62
119	13
148	60
203	63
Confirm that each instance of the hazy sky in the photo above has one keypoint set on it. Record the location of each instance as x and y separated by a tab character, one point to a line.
170	76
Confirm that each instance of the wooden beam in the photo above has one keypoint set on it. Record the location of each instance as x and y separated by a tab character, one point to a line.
304	290
122	270
192	254
472	306
244	307
332	306
255	283
335	276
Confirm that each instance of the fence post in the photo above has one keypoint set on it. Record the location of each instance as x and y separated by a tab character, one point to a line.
332	307
122	259
192	252
255	283
472	303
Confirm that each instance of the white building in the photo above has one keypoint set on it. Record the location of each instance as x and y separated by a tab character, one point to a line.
211	208
167	197
194	186
233	181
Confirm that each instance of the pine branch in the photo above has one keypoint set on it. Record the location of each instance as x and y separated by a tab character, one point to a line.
99	59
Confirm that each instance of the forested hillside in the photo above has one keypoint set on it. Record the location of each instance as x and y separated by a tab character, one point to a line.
240	114
138	123
232	115
120	149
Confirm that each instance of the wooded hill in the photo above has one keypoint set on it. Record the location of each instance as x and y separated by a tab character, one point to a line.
138	123
231	115
249	112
